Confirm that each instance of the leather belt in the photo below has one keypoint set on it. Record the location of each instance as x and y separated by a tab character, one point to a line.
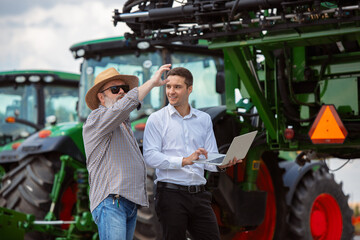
189	189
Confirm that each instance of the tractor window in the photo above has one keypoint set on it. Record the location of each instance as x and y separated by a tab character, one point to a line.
203	69
61	102
19	102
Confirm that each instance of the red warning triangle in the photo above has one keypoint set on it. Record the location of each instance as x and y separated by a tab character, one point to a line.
327	127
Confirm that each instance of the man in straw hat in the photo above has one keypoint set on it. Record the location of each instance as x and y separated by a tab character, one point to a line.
115	164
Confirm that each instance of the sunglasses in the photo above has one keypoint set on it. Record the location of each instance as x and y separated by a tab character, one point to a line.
116	89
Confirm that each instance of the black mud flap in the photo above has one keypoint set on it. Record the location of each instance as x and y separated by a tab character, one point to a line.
243	208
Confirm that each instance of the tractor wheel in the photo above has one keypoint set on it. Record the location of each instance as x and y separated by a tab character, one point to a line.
27	189
147	224
320	209
270	180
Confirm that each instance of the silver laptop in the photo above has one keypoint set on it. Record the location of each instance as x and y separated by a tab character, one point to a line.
238	148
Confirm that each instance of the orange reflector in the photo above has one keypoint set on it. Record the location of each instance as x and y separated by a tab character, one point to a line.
15	145
10	119
327	127
44	133
140	126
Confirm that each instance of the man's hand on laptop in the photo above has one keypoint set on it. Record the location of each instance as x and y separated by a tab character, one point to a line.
195	156
231	163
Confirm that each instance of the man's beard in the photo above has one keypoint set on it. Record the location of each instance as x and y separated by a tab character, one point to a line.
109	102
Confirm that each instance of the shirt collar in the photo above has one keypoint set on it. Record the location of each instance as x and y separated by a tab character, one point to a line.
172	110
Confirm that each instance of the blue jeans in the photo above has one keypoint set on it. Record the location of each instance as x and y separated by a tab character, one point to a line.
115	218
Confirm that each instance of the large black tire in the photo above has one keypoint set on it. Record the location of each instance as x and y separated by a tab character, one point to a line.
147	224
319	209
27	189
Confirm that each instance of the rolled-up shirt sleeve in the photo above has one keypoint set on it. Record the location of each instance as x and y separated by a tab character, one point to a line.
107	119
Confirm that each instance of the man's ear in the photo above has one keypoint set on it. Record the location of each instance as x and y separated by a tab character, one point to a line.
190	89
101	98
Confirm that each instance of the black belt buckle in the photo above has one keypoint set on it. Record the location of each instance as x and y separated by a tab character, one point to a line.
194	189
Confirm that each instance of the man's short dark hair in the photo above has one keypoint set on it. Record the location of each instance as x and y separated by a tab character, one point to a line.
182	72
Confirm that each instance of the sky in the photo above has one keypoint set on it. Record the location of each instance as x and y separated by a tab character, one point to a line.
349	175
37	34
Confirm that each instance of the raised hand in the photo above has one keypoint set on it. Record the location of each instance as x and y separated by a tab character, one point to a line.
155	81
156	78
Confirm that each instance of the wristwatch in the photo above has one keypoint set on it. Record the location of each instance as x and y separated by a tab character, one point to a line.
220	169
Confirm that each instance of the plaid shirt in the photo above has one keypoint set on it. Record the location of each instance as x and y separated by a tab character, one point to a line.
114	161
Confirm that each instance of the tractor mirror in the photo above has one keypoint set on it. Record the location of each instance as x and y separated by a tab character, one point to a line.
52	119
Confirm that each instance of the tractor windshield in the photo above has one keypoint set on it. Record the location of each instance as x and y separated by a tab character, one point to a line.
19	102
144	65
26	102
60	101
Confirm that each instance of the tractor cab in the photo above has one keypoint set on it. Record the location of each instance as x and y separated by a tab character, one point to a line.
34	99
142	60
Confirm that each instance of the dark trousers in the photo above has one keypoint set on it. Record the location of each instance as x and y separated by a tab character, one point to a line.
179	211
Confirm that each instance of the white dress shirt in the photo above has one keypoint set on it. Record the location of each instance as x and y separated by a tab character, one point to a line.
169	137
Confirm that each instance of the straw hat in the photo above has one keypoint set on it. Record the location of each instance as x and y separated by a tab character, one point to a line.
104	77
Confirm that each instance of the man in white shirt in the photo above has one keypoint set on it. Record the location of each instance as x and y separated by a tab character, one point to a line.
174	137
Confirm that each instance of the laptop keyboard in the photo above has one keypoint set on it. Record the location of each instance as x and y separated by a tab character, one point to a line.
217	160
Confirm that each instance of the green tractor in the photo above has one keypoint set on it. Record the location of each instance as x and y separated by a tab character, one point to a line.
291	72
266	65
46	195
32	99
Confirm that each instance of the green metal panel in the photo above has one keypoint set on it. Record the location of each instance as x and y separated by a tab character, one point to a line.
59	74
71	129
257	96
8	147
116	39
231	83
293	38
252	164
112	39
346	104
9	222
299	63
